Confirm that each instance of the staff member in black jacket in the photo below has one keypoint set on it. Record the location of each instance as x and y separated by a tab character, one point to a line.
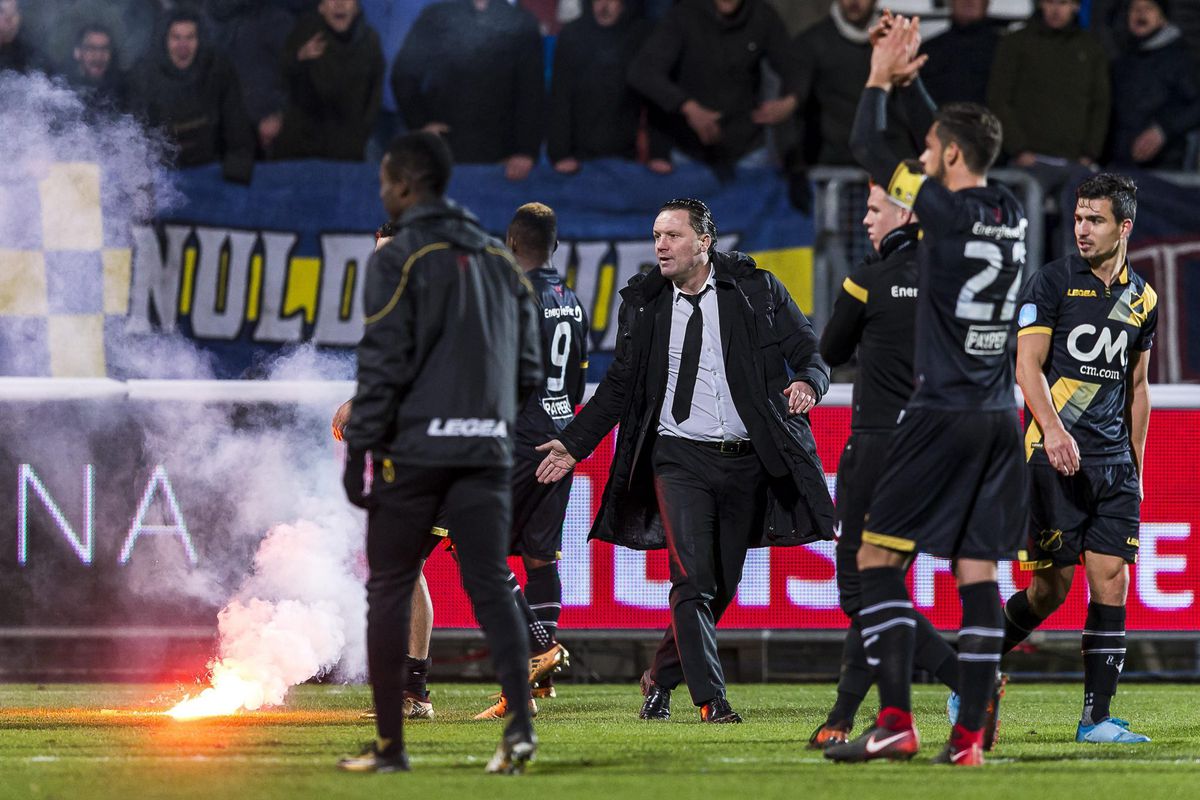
449	349
714	454
875	314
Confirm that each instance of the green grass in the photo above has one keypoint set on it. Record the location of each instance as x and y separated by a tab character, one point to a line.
58	742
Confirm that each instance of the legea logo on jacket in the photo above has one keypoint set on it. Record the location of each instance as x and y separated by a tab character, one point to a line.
471	426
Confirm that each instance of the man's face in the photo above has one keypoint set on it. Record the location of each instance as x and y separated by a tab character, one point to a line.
1097	232
857	12
338	14
1058	14
964	12
183	40
10	21
883	216
933	156
727	7
681	252
94	54
1145	17
607	12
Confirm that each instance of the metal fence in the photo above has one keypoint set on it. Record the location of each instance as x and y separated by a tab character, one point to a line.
840	195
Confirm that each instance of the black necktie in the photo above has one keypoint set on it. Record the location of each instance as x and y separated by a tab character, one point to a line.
689	359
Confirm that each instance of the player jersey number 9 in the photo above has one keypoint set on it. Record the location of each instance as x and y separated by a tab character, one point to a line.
969	306
560	352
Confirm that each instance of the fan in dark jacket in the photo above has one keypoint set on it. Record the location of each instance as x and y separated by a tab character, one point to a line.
701	69
960	59
333	72
191	91
472	71
15	51
94	75
1156	100
593	111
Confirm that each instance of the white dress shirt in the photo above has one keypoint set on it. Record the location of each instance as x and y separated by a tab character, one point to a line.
714	417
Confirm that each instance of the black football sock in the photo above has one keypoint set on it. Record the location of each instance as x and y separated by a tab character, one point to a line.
1020	620
979	641
888	630
854	681
1103	659
935	655
416	674
543	590
539	639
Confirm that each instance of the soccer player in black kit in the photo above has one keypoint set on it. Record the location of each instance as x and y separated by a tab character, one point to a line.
875	315
1086	325
954	484
540	509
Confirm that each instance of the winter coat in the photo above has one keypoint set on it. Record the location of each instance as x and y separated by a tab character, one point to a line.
763	333
200	108
695	53
960	62
480	73
333	100
1154	83
593	112
1050	90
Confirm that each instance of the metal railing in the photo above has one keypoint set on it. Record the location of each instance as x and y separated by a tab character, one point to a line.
840	195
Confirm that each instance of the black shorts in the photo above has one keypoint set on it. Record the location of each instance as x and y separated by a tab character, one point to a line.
538	512
858	472
1097	509
955	486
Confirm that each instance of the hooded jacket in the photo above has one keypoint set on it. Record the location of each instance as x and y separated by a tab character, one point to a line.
333	100
1050	90
450	347
764	335
200	108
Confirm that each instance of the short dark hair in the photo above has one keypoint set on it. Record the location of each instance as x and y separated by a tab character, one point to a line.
699	216
387	230
1118	189
93	27
974	129
422	159
535	226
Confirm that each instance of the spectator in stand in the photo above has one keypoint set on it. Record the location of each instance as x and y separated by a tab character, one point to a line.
835	57
1049	86
593	112
960	59
701	68
191	91
473	72
15	52
333	72
253	33
54	25
1156	100
95	75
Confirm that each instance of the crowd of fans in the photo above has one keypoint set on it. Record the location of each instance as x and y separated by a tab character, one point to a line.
722	82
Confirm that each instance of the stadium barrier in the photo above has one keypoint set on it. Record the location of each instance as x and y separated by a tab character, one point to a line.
116	498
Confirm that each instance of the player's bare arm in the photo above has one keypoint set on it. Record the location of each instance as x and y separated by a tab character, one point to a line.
1061	449
1137	415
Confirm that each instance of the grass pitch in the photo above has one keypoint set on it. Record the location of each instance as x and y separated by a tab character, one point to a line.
107	742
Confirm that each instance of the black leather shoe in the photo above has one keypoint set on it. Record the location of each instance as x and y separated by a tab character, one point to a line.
658	699
718	710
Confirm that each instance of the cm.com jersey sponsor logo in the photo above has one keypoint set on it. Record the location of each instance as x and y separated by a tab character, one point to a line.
1085	350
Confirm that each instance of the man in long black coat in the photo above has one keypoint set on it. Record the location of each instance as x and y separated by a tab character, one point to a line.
715	371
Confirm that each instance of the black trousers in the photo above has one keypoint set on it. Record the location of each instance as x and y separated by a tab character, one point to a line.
477	508
712	507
